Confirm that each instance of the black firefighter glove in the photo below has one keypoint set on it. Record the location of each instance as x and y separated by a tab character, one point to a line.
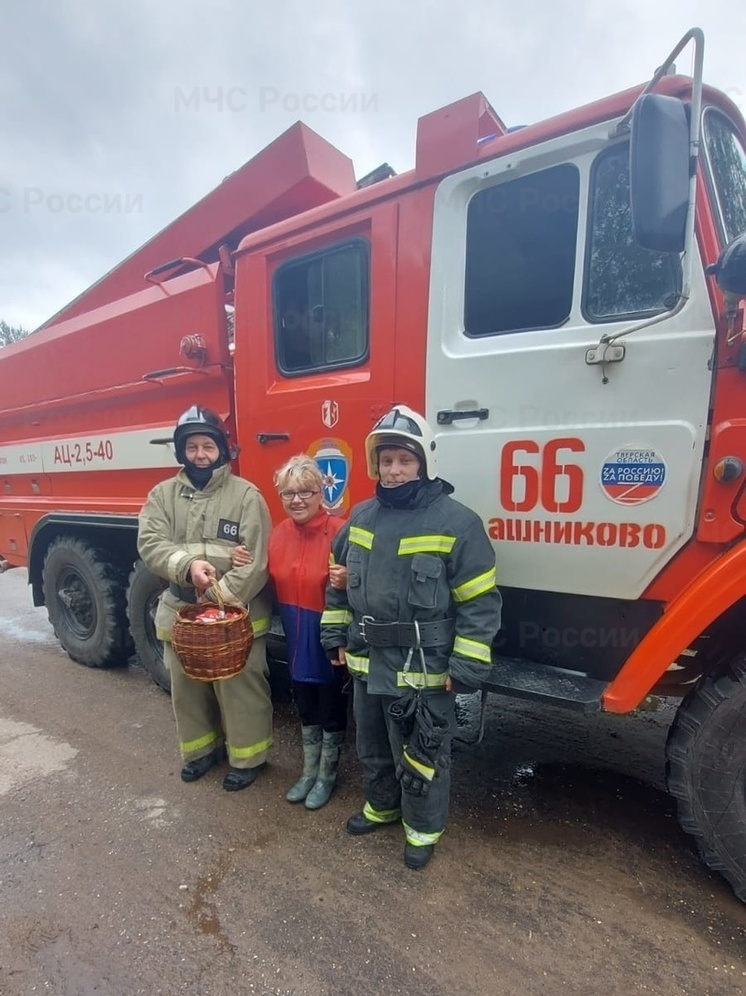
424	753
414	773
403	711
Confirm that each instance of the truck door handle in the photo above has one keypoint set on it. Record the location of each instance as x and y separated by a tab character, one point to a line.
448	416
268	437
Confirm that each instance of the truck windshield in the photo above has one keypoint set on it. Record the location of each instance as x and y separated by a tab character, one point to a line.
726	165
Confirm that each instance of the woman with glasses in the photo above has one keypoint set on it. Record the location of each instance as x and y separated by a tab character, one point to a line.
299	566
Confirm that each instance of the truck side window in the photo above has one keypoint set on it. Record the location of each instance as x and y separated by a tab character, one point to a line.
321	308
520	253
622	280
726	163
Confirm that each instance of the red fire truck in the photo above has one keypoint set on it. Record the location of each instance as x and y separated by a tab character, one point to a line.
561	300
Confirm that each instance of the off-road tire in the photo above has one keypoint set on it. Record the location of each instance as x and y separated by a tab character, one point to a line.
84	591
142	600
706	770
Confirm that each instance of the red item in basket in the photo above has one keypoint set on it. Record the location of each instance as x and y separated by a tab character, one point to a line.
214	614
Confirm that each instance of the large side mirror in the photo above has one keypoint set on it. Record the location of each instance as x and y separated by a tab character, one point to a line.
730	269
659	172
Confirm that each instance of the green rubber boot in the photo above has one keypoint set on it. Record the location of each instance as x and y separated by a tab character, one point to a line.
312	736
327	778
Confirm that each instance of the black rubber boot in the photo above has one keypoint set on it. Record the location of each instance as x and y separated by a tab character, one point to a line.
360	824
417	857
194	770
241	778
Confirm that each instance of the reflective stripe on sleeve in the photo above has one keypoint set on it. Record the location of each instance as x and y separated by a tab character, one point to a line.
472	649
361	537
477	586
190	550
175	561
357	665
336	617
426	544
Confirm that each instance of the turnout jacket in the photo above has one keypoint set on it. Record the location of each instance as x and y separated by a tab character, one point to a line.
299	568
431	562
179	524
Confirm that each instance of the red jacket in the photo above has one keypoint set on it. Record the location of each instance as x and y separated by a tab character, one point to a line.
299	568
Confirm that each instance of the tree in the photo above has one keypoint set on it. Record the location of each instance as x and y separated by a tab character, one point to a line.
11	333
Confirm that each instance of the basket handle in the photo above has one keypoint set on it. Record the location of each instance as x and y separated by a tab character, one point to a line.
219	595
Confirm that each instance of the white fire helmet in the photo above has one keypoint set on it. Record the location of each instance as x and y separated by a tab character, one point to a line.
403	428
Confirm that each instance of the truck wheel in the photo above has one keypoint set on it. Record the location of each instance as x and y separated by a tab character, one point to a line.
142	601
706	770
84	593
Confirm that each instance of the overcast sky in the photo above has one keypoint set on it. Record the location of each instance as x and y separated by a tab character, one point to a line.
99	100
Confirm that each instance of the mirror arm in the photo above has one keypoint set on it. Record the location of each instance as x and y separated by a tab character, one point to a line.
611	337
694	133
696	34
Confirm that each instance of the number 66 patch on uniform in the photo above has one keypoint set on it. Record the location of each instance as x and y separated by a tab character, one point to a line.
228	530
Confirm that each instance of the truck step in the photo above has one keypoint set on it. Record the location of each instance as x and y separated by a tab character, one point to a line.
531	680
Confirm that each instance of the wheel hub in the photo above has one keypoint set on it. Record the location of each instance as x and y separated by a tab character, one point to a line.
81	611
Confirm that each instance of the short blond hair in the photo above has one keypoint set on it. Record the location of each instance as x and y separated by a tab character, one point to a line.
300	472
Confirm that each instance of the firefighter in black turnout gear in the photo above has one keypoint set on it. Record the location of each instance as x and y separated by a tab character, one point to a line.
415	624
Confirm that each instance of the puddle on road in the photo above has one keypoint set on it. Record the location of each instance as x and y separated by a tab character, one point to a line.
551	795
550	802
543	766
203	913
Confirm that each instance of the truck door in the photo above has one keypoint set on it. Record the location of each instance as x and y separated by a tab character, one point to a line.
314	334
586	474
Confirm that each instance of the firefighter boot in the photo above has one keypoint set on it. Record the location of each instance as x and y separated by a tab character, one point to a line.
193	770
311	756
417	856
361	823
241	778
327	778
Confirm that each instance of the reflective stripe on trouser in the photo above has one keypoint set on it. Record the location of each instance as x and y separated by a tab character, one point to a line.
379	743
239	707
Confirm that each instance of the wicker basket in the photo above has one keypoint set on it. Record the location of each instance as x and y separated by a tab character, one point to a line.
216	650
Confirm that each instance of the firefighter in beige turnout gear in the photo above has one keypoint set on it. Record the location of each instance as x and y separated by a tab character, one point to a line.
415	624
188	529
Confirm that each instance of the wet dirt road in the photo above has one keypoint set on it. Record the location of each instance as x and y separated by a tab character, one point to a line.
562	871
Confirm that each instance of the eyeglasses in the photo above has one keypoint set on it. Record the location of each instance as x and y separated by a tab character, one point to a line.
303	495
394	421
